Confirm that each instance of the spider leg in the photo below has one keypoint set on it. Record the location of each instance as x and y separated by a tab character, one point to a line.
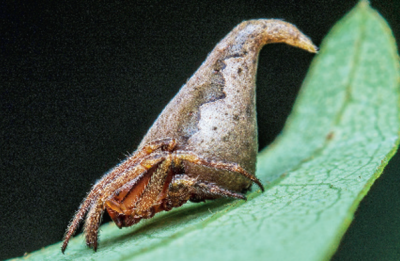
165	144
184	188
142	200
208	189
96	210
130	177
122	182
92	224
234	167
145	206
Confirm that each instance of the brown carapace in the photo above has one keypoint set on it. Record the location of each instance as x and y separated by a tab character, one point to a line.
202	146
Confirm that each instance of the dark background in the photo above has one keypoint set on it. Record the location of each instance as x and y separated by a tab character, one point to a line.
81	84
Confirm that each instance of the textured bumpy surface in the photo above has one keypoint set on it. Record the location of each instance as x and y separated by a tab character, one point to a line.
342	132
214	113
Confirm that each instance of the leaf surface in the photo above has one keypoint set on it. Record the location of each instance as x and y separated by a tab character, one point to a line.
343	130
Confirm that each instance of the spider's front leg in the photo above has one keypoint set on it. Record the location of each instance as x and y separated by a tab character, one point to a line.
131	162
141	201
135	180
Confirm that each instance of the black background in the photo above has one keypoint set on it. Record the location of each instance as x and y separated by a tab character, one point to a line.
80	84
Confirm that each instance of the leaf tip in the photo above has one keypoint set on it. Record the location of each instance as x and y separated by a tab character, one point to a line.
363	4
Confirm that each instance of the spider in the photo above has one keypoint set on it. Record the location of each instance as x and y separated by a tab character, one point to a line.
153	179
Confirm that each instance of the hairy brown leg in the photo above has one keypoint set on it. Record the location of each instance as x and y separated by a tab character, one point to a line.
124	181
129	178
165	144
123	201
141	200
92	223
120	206
196	159
184	188
150	197
206	190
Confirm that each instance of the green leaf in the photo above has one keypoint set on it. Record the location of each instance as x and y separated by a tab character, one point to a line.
343	130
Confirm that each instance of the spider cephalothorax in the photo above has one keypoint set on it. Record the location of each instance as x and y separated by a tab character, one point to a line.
150	181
